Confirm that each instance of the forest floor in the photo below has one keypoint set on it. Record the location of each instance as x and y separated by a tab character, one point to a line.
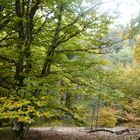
78	133
81	133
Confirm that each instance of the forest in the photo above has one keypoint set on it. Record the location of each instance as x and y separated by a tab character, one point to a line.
67	63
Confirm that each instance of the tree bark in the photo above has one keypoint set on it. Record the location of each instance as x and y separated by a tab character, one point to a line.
18	129
97	114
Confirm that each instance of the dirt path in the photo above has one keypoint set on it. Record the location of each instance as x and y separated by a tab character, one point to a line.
79	133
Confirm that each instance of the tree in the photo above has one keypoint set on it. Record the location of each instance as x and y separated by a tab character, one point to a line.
48	49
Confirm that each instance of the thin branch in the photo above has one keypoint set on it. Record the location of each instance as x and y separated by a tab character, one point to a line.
78	82
8	36
92	51
43	24
79	16
34	9
81	122
5	45
7	59
71	36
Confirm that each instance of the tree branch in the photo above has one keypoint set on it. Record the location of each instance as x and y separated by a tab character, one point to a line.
7	59
47	63
81	122
79	16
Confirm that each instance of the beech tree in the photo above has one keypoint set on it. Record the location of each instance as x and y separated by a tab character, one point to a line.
49	54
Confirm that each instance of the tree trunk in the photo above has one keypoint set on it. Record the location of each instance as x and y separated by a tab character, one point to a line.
18	130
68	100
97	114
92	118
